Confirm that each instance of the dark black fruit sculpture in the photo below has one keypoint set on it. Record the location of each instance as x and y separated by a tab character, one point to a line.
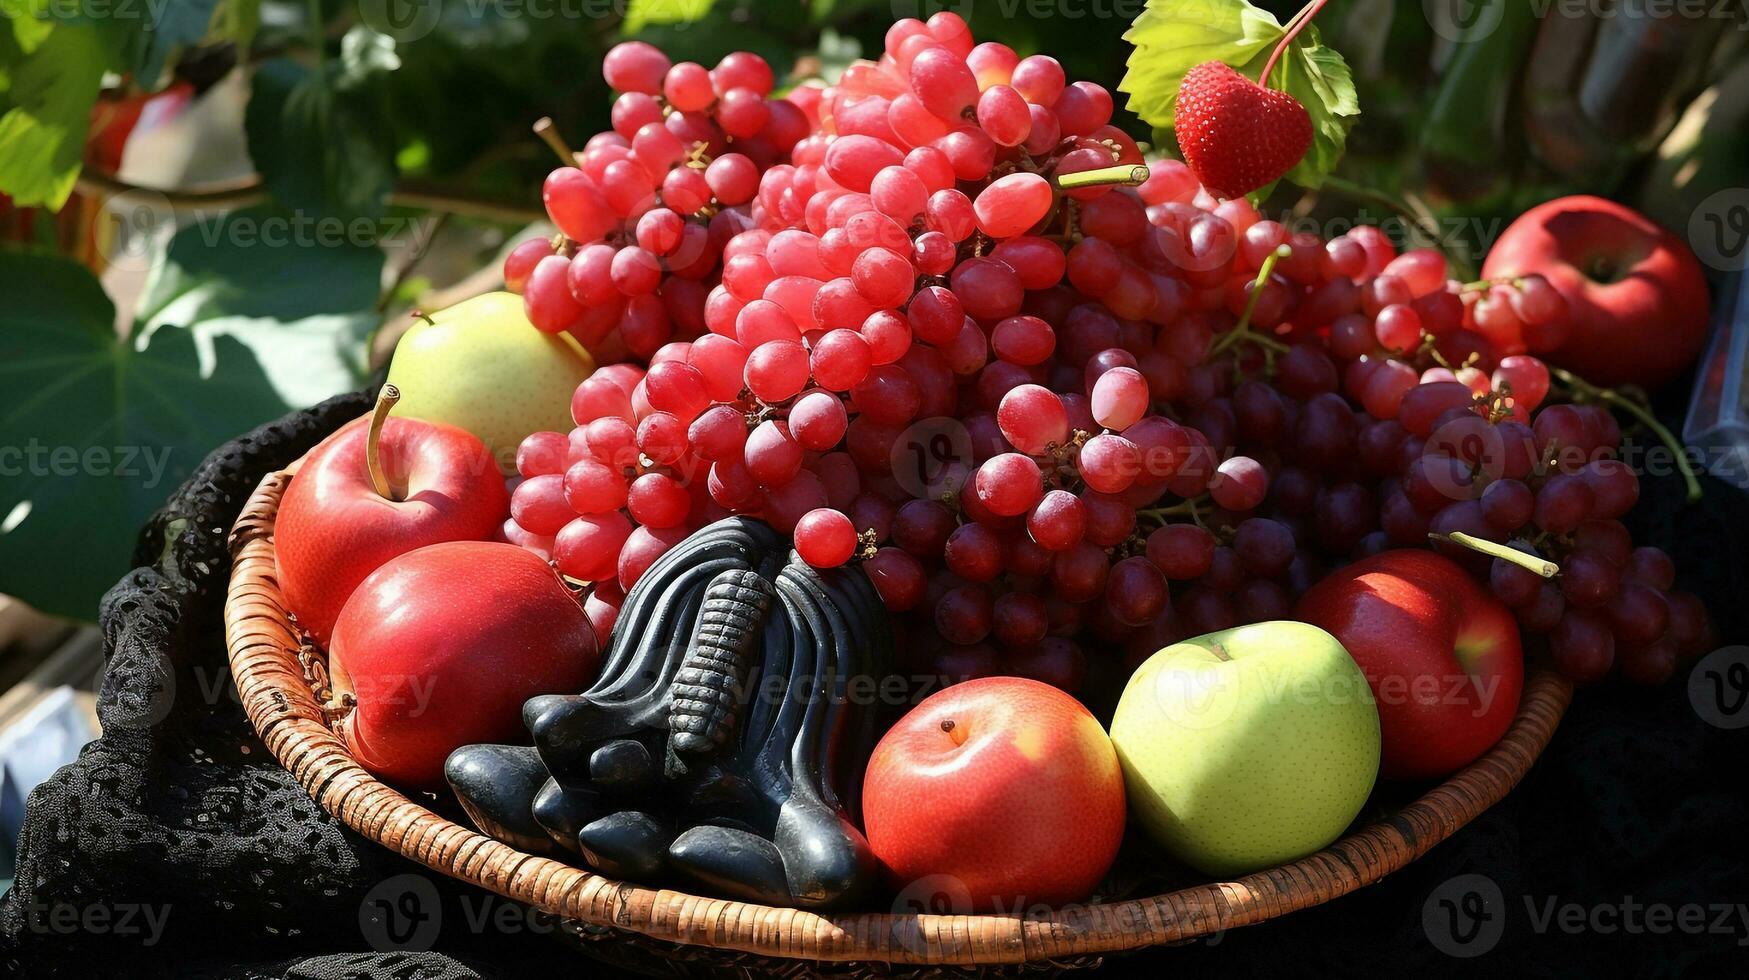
720	745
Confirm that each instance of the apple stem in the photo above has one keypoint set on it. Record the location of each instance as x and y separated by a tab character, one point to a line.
386	399
1615	399
337	707
1126	175
1295	25
1243	330
1528	562
545	128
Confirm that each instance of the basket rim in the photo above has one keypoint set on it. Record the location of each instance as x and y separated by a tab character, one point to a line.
263	649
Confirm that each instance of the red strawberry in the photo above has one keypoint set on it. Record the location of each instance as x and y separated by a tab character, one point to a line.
1237	135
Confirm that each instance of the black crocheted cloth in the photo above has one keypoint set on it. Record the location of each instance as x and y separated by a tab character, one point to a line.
177	846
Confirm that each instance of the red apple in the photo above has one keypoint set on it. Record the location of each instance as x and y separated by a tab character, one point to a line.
1441	654
1006	786
441	646
1636	296
334	529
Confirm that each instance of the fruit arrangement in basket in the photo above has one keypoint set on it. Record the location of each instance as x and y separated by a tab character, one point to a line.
820	400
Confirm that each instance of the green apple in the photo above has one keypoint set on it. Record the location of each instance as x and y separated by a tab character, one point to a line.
1249	747
481	366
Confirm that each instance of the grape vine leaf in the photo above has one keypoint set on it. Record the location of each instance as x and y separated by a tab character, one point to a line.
246	275
1173	36
179	24
103	430
321	138
642	13
46	94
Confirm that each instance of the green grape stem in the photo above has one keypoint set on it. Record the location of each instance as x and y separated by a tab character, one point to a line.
1528	562
1242	331
1583	389
1123	175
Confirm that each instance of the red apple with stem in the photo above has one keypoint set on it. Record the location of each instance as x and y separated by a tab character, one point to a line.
440	647
1001	792
1441	655
1636	295
378	488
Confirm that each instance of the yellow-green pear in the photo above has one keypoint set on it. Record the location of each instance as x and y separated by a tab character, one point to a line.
1249	747
482	366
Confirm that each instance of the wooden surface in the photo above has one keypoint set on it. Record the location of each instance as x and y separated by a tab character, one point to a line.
264	650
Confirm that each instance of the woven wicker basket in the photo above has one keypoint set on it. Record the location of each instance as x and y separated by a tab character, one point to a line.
272	666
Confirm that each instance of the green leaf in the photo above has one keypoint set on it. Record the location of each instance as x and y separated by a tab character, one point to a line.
249	276
100	430
717	35
181	24
237	21
30	27
838	11
1318	77
836	52
1173	36
642	13
47	109
321	140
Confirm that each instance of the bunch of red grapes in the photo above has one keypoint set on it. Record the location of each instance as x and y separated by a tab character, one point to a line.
933	320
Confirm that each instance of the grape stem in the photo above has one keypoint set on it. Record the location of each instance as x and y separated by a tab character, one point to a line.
373	460
1528	562
1184	508
1125	175
1295	25
1425	224
549	134
1243	330
1583	389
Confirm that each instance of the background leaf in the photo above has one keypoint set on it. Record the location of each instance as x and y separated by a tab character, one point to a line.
321	145
181	24
102	431
642	13
1319	78
47	108
247	276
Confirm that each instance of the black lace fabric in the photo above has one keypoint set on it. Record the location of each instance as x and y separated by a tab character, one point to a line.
177	846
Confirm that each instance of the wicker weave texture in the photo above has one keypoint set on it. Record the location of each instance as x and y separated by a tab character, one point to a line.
264	650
